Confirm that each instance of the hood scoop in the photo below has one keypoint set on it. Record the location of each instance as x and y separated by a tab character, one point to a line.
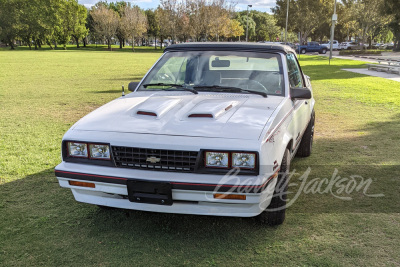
211	109
155	107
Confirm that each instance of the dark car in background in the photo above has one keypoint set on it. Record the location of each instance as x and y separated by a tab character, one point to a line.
311	47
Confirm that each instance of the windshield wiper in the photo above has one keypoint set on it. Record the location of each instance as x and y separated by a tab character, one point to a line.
232	89
178	86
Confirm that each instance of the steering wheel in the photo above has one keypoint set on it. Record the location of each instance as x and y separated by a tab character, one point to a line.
165	78
260	85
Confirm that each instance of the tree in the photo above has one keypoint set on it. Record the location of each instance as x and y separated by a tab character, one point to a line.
369	17
161	16
133	23
218	25
392	8
169	20
266	28
234	29
78	27
105	22
243	22
198	19
153	26
184	30
10	12
305	16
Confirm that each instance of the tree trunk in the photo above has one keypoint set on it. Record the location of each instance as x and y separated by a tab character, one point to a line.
396	46
133	43
49	43
120	43
39	43
77	41
84	41
65	46
109	44
35	43
55	45
12	44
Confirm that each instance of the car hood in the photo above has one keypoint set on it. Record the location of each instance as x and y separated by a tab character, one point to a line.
236	116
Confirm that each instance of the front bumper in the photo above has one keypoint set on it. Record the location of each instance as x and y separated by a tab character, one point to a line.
191	193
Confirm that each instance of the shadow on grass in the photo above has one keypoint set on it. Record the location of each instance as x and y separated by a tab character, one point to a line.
372	155
44	224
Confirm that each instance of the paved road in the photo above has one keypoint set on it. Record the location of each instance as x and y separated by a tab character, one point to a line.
370	58
386	56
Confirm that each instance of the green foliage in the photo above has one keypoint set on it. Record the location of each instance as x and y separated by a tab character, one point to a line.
242	18
42	21
266	26
392	8
305	16
10	13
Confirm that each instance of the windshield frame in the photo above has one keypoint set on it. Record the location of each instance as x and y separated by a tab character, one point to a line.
156	67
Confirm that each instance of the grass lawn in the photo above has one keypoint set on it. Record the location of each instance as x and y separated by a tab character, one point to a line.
42	93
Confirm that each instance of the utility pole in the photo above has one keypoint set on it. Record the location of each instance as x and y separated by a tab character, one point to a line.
287	16
247	27
334	19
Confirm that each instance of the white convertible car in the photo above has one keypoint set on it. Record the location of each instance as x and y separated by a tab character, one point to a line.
210	130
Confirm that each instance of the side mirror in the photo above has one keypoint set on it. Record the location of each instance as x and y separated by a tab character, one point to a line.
132	86
300	93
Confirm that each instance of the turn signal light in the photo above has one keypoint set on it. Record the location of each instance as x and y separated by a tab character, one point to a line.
84	184
230	196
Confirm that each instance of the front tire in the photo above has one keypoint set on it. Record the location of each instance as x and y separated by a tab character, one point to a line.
302	51
274	214
305	146
323	51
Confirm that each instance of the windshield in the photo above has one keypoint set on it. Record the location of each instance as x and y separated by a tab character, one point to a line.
218	71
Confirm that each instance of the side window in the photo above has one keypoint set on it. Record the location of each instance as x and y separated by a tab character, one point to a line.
294	73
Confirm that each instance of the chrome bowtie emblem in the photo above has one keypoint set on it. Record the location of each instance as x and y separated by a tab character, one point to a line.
153	159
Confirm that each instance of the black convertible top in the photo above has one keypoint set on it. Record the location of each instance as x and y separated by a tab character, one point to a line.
230	46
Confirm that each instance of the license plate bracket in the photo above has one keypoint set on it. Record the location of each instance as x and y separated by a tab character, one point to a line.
150	192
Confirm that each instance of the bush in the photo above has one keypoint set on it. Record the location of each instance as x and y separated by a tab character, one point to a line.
359	52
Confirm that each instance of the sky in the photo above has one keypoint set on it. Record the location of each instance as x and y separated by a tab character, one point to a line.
260	5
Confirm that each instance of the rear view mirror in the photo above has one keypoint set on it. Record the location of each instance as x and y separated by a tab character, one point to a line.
220	63
300	93
132	86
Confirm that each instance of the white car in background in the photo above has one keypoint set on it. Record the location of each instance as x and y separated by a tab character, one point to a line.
352	46
335	45
210	130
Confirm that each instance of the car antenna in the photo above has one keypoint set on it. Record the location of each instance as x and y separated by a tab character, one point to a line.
123	90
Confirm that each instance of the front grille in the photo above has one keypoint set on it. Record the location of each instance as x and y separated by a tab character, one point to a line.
154	159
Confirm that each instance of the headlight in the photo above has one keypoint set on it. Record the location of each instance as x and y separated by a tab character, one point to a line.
244	160
217	159
99	151
76	149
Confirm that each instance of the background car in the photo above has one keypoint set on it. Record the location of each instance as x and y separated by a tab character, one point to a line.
335	45
352	46
292	45
311	47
